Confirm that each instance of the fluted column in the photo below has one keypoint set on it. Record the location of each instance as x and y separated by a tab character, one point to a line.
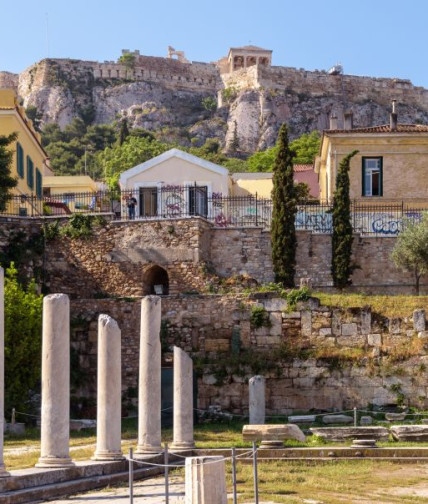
55	424
109	404
149	387
183	401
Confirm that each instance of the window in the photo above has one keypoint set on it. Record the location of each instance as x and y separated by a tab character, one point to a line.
39	189
372	176
20	160
30	173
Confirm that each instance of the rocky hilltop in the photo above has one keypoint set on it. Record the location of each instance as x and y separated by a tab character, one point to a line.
168	95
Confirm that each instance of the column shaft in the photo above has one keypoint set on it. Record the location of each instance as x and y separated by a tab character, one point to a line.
183	401
109	389
55	424
149	387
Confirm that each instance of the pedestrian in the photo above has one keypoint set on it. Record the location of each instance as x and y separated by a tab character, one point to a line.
132	203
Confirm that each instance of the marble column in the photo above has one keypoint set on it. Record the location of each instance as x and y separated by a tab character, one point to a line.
149	386
3	472
55	426
109	390
183	401
205	480
256	389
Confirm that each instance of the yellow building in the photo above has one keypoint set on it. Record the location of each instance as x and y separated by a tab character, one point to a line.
30	160
391	164
72	192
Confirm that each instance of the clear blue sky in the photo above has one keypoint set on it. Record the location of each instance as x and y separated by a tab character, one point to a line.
381	38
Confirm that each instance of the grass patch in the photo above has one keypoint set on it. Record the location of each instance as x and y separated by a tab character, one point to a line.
388	306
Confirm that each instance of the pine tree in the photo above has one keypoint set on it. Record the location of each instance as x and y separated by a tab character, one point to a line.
341	266
7	182
284	211
124	131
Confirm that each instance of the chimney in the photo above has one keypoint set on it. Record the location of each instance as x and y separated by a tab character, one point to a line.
333	122
393	117
349	120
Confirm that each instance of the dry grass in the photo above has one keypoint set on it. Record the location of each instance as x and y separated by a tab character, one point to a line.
335	482
389	306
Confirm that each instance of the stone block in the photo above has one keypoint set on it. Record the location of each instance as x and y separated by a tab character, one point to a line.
275	305
395	417
291	315
366	420
394	326
419	320
275	432
325	331
366	320
306	318
217	345
417	433
205	480
349	329
342	433
374	340
337	419
302	419
423	335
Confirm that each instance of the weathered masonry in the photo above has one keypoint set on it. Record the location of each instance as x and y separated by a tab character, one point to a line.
187	255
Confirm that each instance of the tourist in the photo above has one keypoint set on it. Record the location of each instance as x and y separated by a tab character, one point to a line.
132	203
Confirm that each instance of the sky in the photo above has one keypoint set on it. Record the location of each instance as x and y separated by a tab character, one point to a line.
378	38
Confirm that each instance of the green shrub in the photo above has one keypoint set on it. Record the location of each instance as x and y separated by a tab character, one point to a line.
259	317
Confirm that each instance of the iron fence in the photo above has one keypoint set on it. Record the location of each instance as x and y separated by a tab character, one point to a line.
177	202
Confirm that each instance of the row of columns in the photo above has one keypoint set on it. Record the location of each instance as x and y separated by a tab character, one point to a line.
55	411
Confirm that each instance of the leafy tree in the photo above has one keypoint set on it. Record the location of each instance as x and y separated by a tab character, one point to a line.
23	327
306	147
124	131
52	133
7	182
284	211
342	238
134	151
128	59
411	249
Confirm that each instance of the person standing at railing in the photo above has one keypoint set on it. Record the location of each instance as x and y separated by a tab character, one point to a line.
132	203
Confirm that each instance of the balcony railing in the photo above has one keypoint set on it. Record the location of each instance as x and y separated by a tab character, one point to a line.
177	202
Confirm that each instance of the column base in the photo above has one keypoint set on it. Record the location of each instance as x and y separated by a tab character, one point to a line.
3	472
182	446
54	462
107	455
147	450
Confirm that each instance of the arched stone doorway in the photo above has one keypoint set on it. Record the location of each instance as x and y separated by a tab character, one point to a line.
156	280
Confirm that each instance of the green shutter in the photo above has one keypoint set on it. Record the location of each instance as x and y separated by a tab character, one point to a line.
39	188
30	173
20	160
363	176
381	176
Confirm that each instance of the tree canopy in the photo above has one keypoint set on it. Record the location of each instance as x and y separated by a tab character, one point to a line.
411	249
342	238
284	209
7	182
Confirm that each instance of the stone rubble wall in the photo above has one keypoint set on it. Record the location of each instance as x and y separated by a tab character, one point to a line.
114	261
384	371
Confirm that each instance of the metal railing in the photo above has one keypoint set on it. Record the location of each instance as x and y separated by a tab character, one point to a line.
176	202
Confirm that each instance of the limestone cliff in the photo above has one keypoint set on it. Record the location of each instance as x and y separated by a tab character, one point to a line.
165	94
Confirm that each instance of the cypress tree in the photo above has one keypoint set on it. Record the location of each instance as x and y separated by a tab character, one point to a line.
341	266
7	182
284	211
124	131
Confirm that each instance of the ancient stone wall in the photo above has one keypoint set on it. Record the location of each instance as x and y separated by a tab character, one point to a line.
313	357
115	261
